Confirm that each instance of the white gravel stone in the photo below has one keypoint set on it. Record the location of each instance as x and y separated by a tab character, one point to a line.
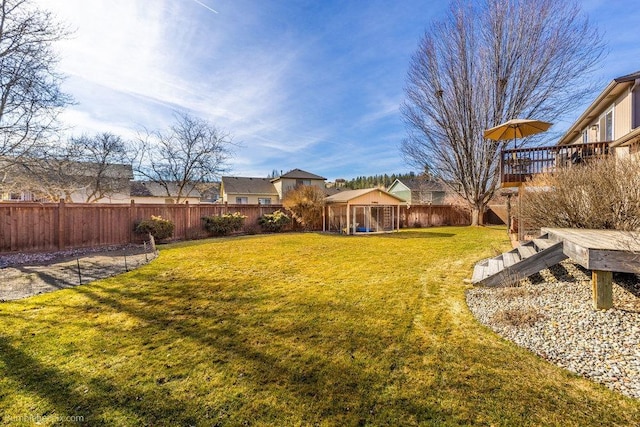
554	318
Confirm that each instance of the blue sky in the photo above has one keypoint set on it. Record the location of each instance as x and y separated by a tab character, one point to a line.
314	85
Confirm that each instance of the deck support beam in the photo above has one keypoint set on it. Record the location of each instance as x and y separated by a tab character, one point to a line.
601	283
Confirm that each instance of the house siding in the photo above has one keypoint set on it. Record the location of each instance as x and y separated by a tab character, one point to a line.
252	199
622	115
284	185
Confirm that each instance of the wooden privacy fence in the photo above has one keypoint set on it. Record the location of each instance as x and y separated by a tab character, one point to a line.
29	227
40	227
433	215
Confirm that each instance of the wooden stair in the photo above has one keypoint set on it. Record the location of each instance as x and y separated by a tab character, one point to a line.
519	263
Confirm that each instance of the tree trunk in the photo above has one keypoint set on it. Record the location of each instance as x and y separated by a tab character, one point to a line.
477	215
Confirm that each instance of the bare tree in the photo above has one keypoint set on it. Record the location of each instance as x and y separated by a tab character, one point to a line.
486	63
87	169
192	150
100	162
30	95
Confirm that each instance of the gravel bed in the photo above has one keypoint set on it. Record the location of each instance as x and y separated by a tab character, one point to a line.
26	274
552	315
33	258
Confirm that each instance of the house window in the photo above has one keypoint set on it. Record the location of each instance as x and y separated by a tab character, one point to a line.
242	200
585	136
303	182
264	201
606	126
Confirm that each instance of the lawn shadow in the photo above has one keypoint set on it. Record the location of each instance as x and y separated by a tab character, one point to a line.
315	377
416	235
61	390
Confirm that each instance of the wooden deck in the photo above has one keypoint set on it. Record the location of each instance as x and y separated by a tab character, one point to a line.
603	250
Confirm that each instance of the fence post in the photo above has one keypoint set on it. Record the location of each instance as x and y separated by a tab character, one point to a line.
187	227
132	219
13	230
61	221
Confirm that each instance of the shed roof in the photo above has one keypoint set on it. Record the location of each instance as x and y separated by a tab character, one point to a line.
247	185
349	195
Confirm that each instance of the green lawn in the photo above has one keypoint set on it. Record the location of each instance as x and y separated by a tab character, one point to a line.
291	329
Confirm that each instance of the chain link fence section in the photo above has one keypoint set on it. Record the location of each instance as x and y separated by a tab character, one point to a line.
25	280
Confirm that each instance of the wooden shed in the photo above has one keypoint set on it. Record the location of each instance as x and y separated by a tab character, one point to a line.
371	210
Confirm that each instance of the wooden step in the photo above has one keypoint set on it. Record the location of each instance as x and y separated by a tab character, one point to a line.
527	266
542	244
510	258
526	250
478	273
496	265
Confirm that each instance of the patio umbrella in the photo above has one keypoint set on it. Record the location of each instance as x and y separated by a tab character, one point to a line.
516	128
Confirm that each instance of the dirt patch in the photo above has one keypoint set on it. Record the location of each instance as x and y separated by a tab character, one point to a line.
24	275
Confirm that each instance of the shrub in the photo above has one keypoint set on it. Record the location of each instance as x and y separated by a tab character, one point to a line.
224	224
157	226
602	194
305	203
274	222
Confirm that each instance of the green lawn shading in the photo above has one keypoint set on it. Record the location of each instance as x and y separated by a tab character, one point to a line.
288	329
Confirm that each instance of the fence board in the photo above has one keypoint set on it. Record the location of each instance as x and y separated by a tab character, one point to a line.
30	227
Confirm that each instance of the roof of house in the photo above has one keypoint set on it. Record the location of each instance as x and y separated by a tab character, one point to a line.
348	195
72	168
153	189
246	185
422	184
597	107
300	174
330	191
628	78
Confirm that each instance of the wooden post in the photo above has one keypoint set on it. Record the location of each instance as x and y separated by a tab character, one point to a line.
13	234
61	221
132	221
602	289
348	220
508	213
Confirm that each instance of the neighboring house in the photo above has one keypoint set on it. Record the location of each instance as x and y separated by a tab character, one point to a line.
420	191
265	191
49	180
245	190
295	178
148	192
209	191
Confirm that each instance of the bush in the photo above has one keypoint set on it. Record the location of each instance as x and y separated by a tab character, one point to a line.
274	222
305	203
157	226
224	224
602	194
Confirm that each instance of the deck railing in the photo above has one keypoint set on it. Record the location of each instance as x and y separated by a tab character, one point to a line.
518	165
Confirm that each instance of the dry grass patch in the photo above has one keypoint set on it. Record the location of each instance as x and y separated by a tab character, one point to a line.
520	316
